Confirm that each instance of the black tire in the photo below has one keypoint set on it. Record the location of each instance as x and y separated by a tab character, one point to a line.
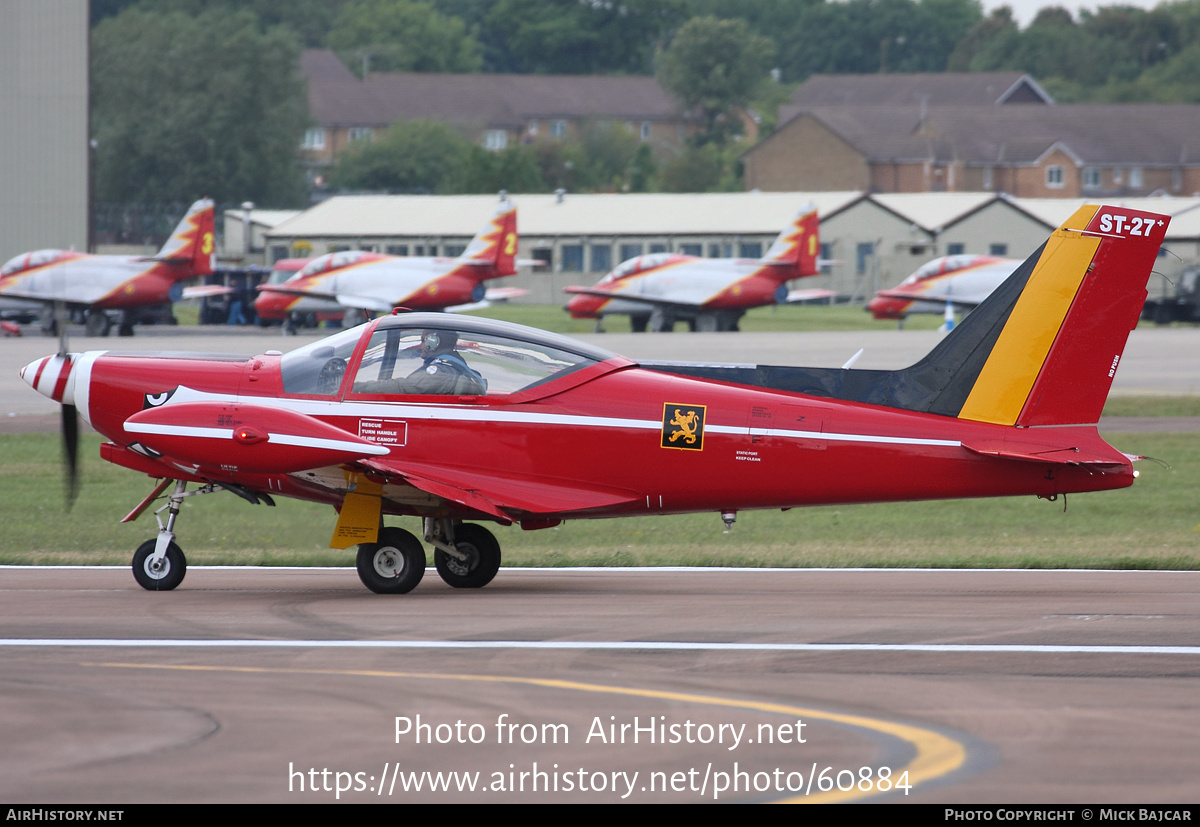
482	563
174	567
394	565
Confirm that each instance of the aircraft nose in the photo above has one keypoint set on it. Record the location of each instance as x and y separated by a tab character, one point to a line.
583	307
52	376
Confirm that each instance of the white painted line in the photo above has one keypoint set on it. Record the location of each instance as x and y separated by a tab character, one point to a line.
605	645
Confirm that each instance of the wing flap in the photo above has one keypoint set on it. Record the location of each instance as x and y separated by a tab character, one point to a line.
502	497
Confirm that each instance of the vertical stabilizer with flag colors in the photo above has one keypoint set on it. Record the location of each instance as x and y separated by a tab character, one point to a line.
797	249
193	241
1055	345
496	244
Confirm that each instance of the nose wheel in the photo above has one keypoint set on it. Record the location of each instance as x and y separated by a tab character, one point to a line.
158	573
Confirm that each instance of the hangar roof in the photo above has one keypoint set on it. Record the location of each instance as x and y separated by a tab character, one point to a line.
733	213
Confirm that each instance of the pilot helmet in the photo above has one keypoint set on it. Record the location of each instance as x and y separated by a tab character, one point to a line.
434	342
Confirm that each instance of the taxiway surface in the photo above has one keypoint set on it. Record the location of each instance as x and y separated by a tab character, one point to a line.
250	685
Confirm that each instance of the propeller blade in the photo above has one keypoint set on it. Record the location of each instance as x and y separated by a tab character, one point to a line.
70	433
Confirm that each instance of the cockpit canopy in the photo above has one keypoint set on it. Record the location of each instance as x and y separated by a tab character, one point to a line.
638	264
26	261
335	261
467	356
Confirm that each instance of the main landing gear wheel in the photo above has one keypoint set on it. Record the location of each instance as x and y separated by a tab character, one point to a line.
481	565
394	565
162	576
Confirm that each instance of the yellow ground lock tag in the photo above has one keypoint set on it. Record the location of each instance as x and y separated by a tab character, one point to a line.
358	521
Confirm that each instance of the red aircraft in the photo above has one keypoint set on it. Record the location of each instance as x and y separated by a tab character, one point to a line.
100	283
658	289
961	281
453	419
376	282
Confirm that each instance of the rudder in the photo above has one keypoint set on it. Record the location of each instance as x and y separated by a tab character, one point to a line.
1054	360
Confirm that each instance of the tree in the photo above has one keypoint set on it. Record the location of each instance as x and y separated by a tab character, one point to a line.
714	66
403	36
574	37
414	156
190	106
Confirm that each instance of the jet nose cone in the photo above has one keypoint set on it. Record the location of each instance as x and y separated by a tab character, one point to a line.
51	376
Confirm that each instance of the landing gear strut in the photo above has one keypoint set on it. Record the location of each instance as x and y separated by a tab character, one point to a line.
159	564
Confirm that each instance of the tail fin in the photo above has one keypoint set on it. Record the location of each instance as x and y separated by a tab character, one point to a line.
496	244
798	246
1056	349
192	242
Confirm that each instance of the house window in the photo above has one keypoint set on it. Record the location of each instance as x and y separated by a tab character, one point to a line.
658	248
751	249
862	254
955	249
495	139
532	130
558	129
601	258
628	251
645	131
692	249
1054	177
397	249
1135	177
1118	175
313	139
572	258
997	249
361	133
454	250
1091	178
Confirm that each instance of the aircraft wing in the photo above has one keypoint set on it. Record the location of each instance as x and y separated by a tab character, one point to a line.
500	497
649	301
936	296
204	291
808	295
372	303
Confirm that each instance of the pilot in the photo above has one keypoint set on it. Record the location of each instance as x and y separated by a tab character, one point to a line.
443	370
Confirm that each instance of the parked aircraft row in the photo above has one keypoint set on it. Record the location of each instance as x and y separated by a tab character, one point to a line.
656	291
458	420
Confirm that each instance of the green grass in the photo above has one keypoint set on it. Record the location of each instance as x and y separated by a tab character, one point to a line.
1155	524
1152	406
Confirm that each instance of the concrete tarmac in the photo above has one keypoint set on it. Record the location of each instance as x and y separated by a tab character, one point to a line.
253	685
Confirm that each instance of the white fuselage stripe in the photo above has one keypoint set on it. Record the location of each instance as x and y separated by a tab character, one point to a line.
299	441
467	413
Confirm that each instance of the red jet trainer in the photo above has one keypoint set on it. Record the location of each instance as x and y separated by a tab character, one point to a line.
453	419
961	281
659	289
100	283
376	282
